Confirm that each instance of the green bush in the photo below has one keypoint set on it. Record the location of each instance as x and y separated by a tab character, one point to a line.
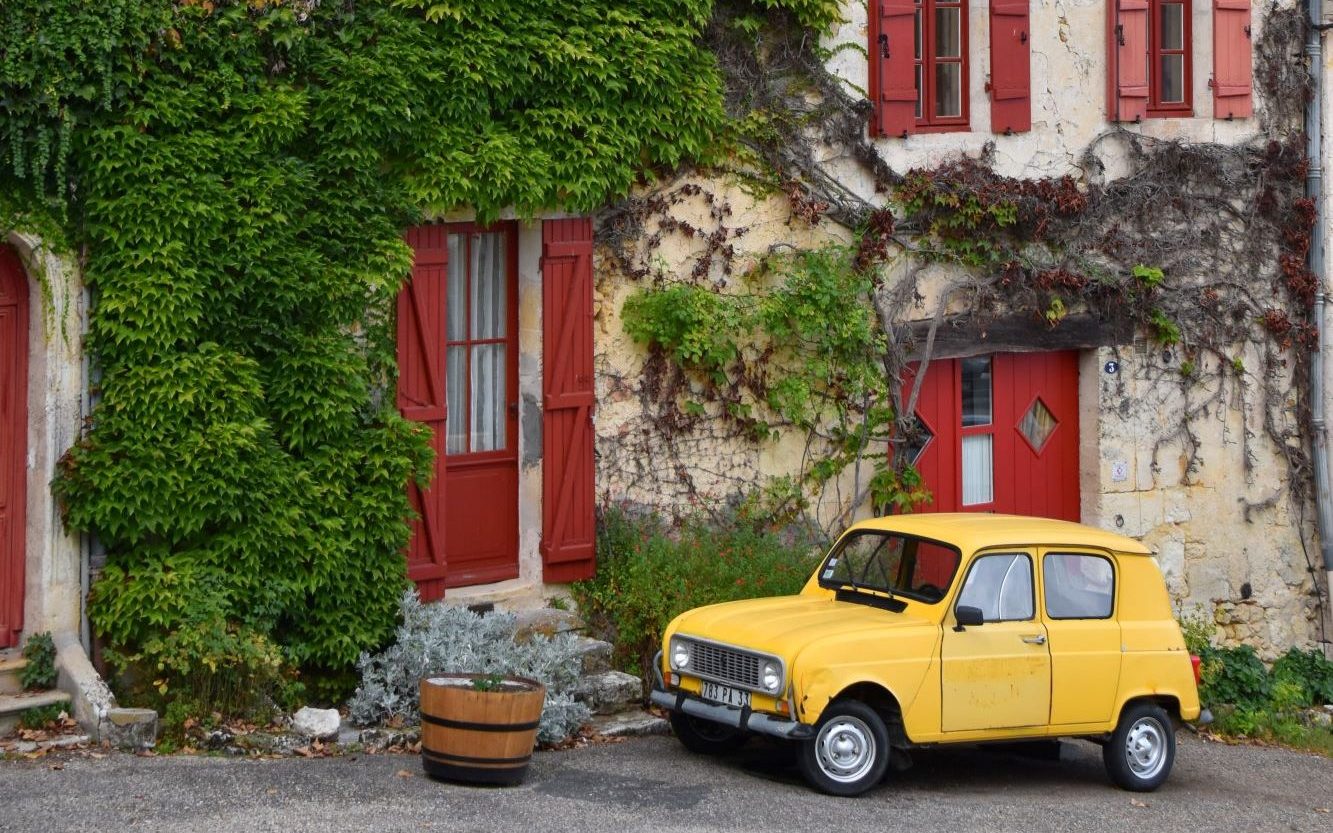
1236	676
1310	671
40	672
39	717
649	571
1249	701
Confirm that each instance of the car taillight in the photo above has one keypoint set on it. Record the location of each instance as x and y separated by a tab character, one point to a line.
1196	662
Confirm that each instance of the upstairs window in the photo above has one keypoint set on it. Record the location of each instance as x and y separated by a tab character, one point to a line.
941	64
920	67
1169	63
1151	49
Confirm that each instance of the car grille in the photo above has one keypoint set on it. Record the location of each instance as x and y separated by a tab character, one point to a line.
726	665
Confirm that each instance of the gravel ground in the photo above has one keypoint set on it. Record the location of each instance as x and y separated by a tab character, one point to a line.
652	784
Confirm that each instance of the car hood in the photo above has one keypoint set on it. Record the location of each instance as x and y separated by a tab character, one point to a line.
786	624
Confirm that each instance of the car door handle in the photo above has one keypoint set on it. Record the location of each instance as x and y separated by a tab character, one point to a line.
1039	639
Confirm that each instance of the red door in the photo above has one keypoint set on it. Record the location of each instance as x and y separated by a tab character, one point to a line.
458	371
1000	434
13	441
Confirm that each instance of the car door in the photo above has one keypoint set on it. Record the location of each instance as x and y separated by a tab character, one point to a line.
996	675
1078	605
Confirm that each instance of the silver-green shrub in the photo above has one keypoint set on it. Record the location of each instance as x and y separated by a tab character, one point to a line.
437	638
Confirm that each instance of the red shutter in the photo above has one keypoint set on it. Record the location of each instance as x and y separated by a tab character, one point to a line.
1232	72
893	68
568	522
1127	86
13	442
1010	67
421	341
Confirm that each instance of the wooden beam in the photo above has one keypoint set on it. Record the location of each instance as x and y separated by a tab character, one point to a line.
963	336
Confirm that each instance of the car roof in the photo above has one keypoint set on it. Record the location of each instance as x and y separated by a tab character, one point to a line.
971	531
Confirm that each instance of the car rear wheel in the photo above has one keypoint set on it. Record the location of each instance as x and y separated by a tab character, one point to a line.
705	737
1142	749
849	752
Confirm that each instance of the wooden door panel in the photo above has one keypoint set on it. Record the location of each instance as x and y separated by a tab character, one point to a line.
482	523
568	495
421	398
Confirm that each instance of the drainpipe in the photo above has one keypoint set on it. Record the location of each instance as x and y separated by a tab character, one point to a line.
1314	190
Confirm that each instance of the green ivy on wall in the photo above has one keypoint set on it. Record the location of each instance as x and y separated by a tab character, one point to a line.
236	177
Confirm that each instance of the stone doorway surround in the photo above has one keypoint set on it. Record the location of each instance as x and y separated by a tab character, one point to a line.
56	560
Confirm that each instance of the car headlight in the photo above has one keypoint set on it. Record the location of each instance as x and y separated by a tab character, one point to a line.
680	654
770	677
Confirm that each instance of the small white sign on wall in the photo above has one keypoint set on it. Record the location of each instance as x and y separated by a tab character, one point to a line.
1119	471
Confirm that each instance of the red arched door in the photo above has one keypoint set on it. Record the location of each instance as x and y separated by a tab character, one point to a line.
13	441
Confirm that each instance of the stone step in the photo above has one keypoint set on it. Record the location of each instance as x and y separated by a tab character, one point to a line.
608	692
11	667
630	723
547	621
13	705
596	654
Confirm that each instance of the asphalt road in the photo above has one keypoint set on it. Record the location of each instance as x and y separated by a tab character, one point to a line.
651	784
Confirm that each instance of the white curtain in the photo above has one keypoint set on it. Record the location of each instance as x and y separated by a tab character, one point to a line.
977	483
455	379
488	318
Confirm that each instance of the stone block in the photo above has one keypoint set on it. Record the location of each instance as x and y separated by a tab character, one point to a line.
594	654
547	621
634	723
609	691
129	729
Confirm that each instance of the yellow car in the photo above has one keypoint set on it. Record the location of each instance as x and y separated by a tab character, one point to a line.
925	629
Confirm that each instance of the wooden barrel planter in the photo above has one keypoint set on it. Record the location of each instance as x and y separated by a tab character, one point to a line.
479	735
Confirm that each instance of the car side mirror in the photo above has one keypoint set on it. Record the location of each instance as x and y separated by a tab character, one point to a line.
968	615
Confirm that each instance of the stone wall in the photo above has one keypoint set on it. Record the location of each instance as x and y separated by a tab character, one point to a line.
1178	457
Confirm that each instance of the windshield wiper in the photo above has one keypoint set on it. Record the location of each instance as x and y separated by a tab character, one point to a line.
858	596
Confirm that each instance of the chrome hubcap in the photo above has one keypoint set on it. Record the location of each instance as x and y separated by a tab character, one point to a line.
1145	748
845	749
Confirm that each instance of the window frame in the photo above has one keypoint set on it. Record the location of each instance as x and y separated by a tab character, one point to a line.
1032	582
826	580
1045	586
509	229
1156	107
926	122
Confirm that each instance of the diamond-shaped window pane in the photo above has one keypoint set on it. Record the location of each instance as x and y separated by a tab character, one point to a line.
1037	425
914	444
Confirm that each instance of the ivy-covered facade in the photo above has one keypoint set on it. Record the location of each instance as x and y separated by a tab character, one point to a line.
310	285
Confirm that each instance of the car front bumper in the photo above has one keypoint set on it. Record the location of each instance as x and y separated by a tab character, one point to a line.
743	718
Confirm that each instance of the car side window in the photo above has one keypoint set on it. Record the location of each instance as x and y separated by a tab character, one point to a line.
1078	586
1001	586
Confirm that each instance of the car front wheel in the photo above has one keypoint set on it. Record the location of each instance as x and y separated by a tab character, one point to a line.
1142	749
705	737
849	752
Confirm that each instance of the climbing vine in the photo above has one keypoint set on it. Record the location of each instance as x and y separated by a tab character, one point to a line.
1199	246
234	176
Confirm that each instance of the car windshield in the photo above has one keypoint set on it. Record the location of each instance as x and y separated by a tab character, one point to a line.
889	563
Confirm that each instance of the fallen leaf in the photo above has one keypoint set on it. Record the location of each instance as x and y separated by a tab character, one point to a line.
271	791
57	767
1321	809
1137	803
402	773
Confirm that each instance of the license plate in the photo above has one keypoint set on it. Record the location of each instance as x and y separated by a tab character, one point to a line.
725	694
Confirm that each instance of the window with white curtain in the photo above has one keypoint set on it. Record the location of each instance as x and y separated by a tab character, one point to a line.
477	330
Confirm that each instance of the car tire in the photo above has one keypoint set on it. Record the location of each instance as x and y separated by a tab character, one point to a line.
1142	748
850	751
706	737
